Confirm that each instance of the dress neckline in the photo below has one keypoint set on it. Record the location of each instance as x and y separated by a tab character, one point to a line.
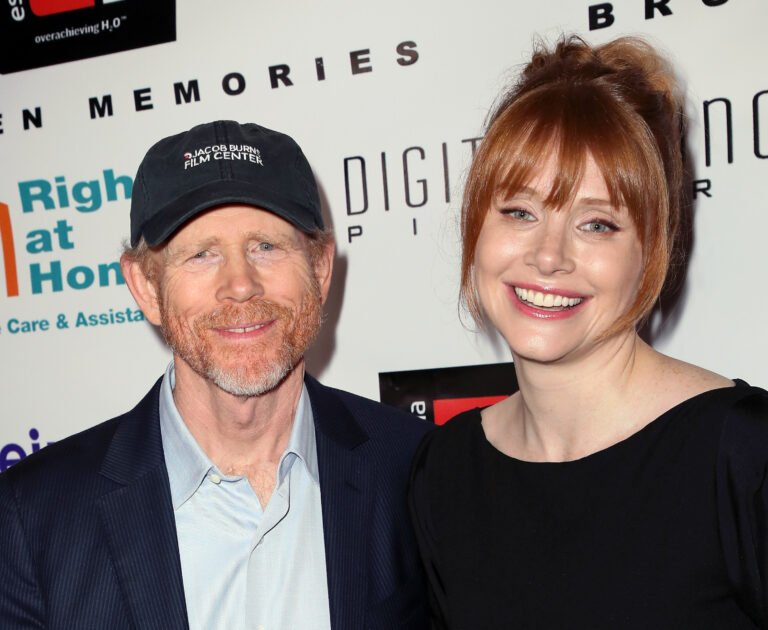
654	425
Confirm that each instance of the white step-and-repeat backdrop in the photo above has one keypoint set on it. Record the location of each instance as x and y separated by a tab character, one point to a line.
388	103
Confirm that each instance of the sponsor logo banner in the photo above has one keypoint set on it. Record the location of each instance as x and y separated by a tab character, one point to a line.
438	394
12	453
39	33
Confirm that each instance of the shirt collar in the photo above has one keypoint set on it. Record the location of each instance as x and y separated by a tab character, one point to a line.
302	443
187	463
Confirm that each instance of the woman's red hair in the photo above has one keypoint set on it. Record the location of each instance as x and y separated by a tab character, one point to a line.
616	102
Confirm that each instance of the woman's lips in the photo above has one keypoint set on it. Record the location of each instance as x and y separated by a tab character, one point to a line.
543	303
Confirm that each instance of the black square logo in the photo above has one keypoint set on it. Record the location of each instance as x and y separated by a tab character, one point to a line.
37	33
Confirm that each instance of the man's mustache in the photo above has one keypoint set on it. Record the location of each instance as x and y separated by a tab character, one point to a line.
239	315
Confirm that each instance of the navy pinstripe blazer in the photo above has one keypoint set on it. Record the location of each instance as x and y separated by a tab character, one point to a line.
88	537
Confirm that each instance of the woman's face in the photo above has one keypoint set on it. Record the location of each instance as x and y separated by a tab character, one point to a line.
553	281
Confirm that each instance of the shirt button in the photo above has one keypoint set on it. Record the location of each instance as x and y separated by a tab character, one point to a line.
215	478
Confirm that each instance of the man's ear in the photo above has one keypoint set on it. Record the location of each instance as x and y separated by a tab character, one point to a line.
324	268
143	288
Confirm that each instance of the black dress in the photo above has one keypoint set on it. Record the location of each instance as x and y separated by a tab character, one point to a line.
666	529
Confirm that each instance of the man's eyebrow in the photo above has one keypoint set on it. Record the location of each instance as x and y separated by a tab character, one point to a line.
258	235
196	246
202	244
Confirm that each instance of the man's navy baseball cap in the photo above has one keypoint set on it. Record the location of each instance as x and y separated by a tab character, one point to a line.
222	162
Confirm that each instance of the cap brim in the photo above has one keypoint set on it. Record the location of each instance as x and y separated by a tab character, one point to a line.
172	216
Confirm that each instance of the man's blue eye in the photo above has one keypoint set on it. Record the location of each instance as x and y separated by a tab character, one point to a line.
266	247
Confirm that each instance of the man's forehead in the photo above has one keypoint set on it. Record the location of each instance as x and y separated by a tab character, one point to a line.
238	220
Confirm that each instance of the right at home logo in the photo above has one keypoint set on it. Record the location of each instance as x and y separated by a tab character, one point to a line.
36	253
9	252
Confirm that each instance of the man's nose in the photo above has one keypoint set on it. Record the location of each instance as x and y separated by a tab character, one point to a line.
241	280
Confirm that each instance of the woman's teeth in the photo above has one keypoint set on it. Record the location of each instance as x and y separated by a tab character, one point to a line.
546	300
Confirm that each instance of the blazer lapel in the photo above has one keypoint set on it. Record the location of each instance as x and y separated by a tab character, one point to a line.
346	505
139	522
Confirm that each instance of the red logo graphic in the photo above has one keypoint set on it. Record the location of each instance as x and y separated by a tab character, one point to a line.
447	408
9	252
49	7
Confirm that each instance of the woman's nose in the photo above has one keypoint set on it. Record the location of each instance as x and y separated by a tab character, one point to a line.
550	250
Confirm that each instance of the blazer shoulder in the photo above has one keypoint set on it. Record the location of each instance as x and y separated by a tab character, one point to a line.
80	452
375	418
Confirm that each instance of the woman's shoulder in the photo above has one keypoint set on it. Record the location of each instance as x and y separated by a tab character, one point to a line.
455	430
685	379
676	384
742	412
744	437
729	400
450	440
438	469
735	409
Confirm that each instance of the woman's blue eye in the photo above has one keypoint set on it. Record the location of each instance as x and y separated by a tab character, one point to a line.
598	227
266	247
519	213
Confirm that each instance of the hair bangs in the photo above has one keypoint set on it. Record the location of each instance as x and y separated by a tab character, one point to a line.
567	125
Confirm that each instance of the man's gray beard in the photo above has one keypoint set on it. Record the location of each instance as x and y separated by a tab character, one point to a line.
238	384
236	381
301	329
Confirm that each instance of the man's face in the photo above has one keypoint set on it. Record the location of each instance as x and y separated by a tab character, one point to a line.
238	298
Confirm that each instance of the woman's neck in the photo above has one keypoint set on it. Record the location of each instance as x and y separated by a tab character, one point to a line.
568	409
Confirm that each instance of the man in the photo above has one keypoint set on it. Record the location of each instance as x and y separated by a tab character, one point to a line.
239	493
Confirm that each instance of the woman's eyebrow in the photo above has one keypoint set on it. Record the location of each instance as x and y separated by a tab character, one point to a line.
525	191
594	201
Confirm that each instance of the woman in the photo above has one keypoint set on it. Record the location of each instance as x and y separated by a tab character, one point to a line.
618	488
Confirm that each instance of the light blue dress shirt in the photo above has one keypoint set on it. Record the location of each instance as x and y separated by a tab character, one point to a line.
244	567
